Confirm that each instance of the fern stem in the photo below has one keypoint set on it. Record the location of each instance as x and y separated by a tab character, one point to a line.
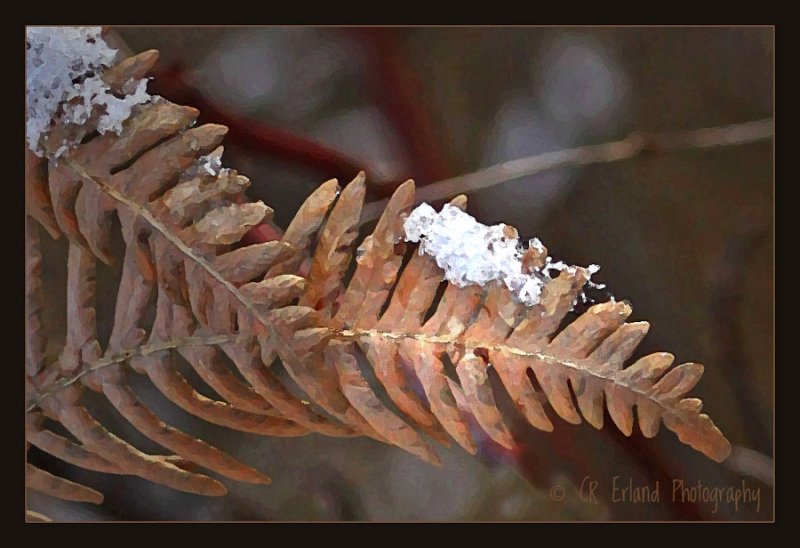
275	339
636	144
122	357
355	334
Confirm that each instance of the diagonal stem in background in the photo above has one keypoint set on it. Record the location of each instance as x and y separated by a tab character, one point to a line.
636	144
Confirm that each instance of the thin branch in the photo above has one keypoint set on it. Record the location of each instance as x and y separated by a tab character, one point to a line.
752	463
636	144
727	295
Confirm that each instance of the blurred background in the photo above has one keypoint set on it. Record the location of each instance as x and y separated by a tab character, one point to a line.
686	237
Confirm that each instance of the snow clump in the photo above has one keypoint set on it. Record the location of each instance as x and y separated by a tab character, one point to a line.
64	67
473	253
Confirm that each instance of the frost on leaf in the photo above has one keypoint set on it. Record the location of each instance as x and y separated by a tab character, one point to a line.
471	253
210	164
64	85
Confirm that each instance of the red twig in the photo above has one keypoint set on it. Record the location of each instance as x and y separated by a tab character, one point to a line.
256	137
398	93
250	134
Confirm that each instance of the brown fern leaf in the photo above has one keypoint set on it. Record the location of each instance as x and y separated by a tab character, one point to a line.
178	223
578	371
217	302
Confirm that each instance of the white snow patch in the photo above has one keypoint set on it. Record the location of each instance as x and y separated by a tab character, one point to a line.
63	80
537	245
211	164
208	165
472	253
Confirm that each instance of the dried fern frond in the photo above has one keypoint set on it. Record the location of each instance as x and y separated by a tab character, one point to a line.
218	302
476	328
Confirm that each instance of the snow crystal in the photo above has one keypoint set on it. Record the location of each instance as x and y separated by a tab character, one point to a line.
419	222
63	68
211	164
537	245
473	253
